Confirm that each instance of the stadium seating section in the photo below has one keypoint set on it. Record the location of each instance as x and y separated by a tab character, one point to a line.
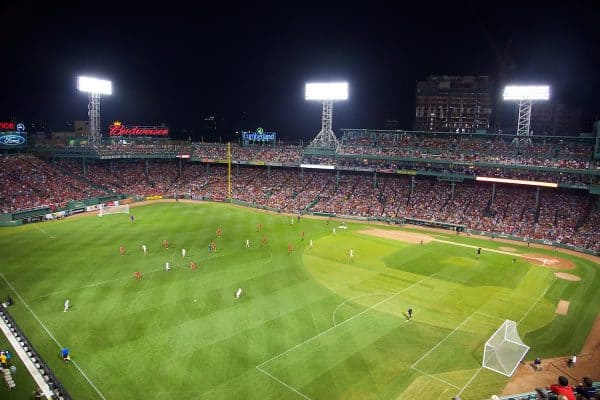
364	183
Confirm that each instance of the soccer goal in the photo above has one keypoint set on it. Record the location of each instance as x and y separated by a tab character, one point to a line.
124	209
504	350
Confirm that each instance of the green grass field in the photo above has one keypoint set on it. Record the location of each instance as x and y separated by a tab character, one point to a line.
310	325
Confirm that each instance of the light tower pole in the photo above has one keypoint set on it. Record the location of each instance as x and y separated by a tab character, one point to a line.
94	87
326	93
525	95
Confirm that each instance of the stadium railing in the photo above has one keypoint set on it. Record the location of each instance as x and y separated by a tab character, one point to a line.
60	393
533	395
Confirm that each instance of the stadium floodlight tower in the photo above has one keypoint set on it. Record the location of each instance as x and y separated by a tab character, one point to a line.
95	87
326	92
525	95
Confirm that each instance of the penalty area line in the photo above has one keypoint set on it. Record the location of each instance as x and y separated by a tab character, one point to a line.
435	377
537	301
341	323
283	383
259	366
441	341
52	336
469	382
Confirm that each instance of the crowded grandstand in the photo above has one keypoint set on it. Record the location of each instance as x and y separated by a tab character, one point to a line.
422	178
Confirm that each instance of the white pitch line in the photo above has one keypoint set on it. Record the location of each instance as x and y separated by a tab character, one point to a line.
283	383
41	230
353	298
469	382
108	281
269	260
537	301
435	377
441	341
341	323
52	336
482	248
93	284
489	316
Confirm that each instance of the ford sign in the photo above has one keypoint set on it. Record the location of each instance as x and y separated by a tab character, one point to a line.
11	140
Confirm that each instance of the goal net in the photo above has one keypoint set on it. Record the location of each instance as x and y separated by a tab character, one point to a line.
114	210
504	350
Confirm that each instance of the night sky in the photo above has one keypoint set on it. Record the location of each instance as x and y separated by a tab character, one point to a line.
248	66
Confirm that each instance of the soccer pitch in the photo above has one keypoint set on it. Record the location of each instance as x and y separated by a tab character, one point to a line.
311	324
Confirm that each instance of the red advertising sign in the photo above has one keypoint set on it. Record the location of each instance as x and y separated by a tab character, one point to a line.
122	130
7	126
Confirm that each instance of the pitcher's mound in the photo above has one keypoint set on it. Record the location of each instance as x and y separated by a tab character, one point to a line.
567	277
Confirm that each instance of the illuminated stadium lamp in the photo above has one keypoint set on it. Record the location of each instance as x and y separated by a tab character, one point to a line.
525	95
95	87
326	92
515	181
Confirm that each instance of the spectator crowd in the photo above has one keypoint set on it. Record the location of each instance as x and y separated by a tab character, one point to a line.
565	216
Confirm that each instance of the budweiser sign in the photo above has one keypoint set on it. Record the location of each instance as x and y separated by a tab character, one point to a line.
122	130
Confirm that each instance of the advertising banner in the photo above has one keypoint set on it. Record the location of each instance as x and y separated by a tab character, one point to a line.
118	129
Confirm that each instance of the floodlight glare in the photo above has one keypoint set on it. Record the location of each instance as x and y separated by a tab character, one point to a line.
94	85
327	91
526	92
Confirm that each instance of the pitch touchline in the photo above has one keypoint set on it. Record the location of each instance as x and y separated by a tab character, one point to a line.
51	335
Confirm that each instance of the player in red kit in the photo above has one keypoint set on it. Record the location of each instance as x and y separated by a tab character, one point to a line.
192	265
290	248
122	250
302	235
219	232
166	244
138	275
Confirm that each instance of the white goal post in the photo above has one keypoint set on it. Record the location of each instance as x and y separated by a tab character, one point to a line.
504	350
105	210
